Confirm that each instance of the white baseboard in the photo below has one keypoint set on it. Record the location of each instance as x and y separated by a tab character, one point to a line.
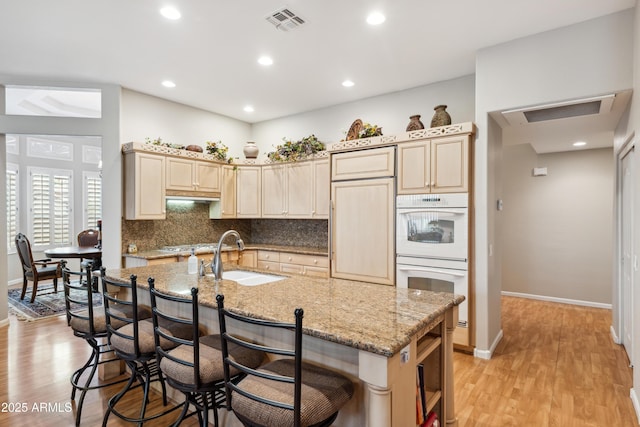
4	322
558	300
636	402
614	336
486	354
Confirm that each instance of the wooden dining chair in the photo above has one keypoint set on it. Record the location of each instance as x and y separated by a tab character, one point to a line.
88	238
35	270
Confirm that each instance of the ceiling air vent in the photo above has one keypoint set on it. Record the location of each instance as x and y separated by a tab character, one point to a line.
561	110
285	20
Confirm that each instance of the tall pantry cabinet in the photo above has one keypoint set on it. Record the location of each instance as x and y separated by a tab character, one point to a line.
362	217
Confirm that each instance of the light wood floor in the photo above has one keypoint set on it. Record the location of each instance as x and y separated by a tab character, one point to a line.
556	366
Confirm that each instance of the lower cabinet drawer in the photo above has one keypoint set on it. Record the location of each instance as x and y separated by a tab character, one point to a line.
292	268
310	260
268	256
316	271
269	265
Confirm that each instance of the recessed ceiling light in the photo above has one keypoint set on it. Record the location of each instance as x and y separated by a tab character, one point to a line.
579	144
248	109
168	83
265	60
347	83
170	12
376	18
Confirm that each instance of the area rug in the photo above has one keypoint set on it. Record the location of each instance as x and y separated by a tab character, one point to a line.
47	304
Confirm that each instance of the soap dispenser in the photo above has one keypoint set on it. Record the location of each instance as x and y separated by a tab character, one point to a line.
192	264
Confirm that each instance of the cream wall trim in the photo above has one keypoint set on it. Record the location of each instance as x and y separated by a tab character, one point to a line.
614	336
486	354
559	300
636	403
6	322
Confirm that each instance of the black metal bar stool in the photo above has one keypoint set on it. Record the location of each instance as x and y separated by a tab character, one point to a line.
132	341
87	322
285	391
195	366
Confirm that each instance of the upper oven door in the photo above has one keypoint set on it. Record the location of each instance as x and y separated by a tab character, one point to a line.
432	233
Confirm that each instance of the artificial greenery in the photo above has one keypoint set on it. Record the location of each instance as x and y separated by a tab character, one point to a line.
218	150
292	151
369	130
159	141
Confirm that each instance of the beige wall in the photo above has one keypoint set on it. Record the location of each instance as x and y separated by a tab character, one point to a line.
556	229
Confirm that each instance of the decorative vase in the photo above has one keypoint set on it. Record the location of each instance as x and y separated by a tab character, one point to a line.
440	117
415	123
250	150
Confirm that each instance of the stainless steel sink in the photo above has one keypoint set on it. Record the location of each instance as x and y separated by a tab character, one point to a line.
250	278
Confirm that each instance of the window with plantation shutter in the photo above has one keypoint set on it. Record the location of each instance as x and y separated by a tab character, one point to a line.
12	206
92	199
50	213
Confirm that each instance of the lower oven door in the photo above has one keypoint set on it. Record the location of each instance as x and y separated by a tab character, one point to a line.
436	279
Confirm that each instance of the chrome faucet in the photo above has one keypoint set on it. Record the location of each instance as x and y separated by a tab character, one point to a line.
216	262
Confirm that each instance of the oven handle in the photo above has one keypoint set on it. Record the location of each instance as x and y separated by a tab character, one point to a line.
402	211
432	270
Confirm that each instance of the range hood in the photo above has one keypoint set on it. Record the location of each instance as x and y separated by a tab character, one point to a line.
195	196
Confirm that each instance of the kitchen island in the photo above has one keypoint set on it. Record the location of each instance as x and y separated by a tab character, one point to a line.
376	335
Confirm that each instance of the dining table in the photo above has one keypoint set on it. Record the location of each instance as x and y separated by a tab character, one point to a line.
82	252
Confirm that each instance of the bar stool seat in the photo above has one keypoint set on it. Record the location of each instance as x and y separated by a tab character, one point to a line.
323	393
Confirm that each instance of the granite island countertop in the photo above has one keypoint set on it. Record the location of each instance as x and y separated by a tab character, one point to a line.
375	318
159	253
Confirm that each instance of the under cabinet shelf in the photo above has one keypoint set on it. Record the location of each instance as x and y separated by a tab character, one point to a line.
426	346
433	397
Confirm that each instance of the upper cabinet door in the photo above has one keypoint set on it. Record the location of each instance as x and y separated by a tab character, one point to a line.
180	174
208	177
372	163
450	164
273	191
321	190
248	192
439	165
144	186
299	190
414	168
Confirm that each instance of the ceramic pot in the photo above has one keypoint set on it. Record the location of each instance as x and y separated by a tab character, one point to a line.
250	150
415	123
440	117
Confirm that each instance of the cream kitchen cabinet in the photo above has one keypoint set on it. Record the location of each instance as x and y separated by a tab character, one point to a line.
439	165
287	190
144	186
362	230
321	189
248	192
188	176
248	258
362	222
226	206
293	263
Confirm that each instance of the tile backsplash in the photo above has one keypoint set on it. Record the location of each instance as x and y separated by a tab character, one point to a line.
190	224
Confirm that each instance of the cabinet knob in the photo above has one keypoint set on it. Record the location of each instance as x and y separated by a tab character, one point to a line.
315	261
289	258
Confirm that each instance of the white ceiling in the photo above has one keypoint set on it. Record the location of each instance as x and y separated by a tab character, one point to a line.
211	52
